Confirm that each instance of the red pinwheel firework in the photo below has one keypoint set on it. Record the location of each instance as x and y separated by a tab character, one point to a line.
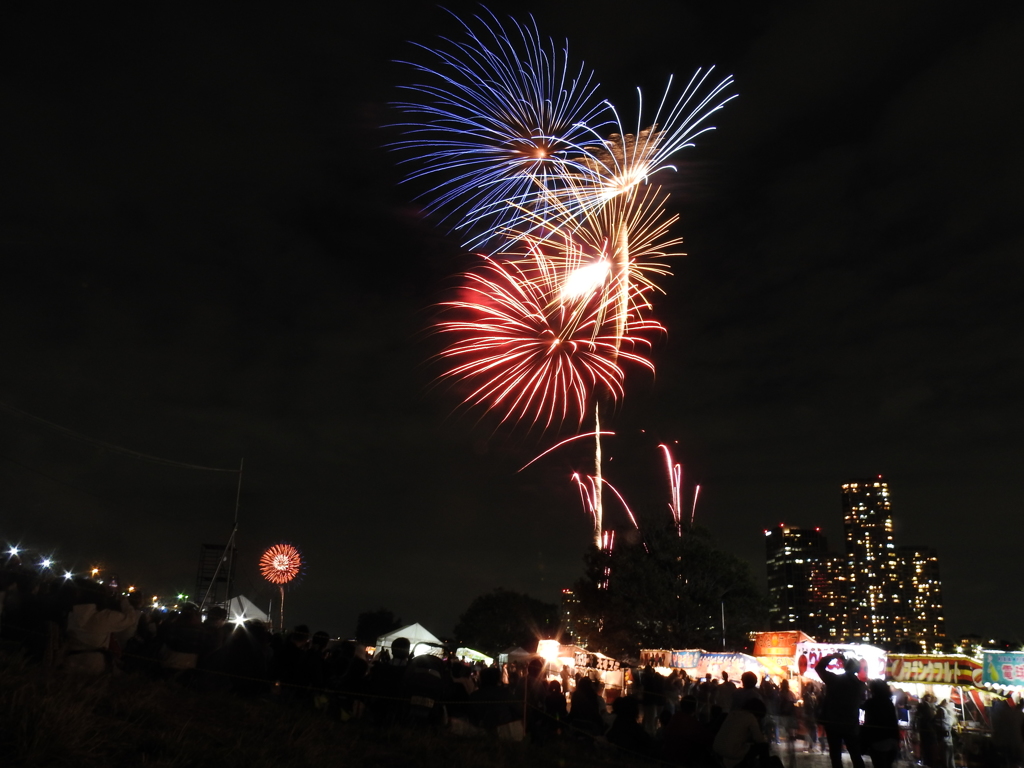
280	564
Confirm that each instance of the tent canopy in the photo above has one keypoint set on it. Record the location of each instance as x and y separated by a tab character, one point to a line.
414	633
241	608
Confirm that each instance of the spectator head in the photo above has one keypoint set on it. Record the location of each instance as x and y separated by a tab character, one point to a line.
879	689
490	677
749	680
400	648
627	707
851	665
755	707
535	667
725	676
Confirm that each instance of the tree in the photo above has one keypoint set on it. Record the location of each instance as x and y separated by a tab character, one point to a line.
667	592
373	624
500	619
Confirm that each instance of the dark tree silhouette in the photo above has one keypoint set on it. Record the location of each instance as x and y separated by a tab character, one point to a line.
373	624
495	621
667	592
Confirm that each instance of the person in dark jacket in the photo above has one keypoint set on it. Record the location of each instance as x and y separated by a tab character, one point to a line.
626	732
841	712
881	732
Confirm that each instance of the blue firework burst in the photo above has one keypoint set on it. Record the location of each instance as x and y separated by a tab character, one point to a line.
499	126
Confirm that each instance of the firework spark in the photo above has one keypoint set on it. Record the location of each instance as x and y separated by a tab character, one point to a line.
559	444
588	485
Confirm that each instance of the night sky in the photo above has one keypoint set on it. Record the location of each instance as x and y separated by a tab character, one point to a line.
208	256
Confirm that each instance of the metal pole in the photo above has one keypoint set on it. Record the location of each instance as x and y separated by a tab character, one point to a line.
723	625
229	550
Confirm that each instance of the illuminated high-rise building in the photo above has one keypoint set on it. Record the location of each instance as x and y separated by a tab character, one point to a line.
830	579
873	592
925	624
794	556
876	612
570	611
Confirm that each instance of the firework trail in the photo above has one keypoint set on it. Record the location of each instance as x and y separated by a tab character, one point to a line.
675	482
588	485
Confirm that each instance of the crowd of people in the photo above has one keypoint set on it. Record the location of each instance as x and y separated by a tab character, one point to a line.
82	627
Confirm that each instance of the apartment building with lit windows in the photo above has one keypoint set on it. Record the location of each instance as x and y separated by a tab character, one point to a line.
873	592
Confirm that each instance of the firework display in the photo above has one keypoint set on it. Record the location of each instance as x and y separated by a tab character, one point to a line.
280	564
528	163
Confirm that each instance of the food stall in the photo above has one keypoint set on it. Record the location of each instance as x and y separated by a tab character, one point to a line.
872	659
698	663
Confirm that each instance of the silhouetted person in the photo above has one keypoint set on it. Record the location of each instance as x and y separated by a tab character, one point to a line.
725	692
386	684
740	741
747	691
687	740
93	619
491	705
880	733
248	658
653	686
841	712
585	708
626	732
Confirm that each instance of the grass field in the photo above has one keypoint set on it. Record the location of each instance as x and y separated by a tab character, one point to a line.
50	720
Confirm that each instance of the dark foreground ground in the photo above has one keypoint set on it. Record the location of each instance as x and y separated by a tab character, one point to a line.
52	720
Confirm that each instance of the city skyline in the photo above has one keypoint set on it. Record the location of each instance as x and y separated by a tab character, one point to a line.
874	591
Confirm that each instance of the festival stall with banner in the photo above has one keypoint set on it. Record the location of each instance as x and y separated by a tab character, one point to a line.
872	659
698	663
602	669
1003	672
777	652
951	677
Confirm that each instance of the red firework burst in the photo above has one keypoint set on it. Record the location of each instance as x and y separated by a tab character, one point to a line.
533	347
280	564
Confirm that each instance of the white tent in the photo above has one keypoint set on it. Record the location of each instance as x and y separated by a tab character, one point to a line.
241	608
415	634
